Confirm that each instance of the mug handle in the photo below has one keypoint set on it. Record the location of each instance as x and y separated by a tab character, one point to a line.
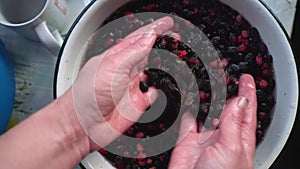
52	41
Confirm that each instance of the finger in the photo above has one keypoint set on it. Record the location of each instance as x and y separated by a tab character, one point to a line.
137	52
173	35
142	64
231	121
159	26
247	89
143	76
188	125
132	106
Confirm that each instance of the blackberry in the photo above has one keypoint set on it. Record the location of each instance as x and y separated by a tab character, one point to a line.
143	87
239	46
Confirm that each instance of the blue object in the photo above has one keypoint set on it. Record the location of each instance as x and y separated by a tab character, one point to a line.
7	87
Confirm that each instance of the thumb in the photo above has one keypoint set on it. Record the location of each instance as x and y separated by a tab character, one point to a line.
231	121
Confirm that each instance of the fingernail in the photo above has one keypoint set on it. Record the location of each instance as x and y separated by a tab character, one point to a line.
248	85
243	103
167	21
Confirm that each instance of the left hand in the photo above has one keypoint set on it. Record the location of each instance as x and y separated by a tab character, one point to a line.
106	93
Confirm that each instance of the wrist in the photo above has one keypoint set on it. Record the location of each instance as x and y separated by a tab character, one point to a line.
74	135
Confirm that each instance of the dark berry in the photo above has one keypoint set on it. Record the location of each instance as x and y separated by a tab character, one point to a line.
233	69
143	86
253	33
242	48
259	60
239	48
250	58
243	67
245	34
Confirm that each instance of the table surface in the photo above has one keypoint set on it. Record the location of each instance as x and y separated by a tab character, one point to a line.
34	64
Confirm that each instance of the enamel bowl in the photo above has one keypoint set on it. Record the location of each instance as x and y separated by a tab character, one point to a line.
256	13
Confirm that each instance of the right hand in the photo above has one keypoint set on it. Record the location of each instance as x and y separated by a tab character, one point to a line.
231	146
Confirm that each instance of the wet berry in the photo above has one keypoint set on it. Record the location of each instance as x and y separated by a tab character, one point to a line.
245	34
242	47
263	84
109	42
239	48
259	60
182	54
143	86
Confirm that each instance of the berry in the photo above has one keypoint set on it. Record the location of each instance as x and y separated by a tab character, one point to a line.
245	34
240	39
182	54
263	84
242	48
233	39
139	135
239	18
139	147
259	60
109	42
239	47
143	87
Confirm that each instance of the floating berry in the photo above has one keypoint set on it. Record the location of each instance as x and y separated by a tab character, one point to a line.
239	48
150	7
245	34
242	47
139	135
239	18
149	161
253	34
213	64
142	162
263	84
109	42
129	14
186	2
267	73
233	39
262	115
143	86
194	61
259	60
259	134
139	147
182	54
240	39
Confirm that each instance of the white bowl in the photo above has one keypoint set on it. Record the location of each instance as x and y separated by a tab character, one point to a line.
257	14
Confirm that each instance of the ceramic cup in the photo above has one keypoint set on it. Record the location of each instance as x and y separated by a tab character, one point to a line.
44	20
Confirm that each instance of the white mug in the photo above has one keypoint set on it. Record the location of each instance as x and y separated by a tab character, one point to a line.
44	20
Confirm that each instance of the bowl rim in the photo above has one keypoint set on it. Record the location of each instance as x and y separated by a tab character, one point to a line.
61	51
264	4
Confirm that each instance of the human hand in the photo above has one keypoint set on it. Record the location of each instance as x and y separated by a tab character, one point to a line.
232	145
106	95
